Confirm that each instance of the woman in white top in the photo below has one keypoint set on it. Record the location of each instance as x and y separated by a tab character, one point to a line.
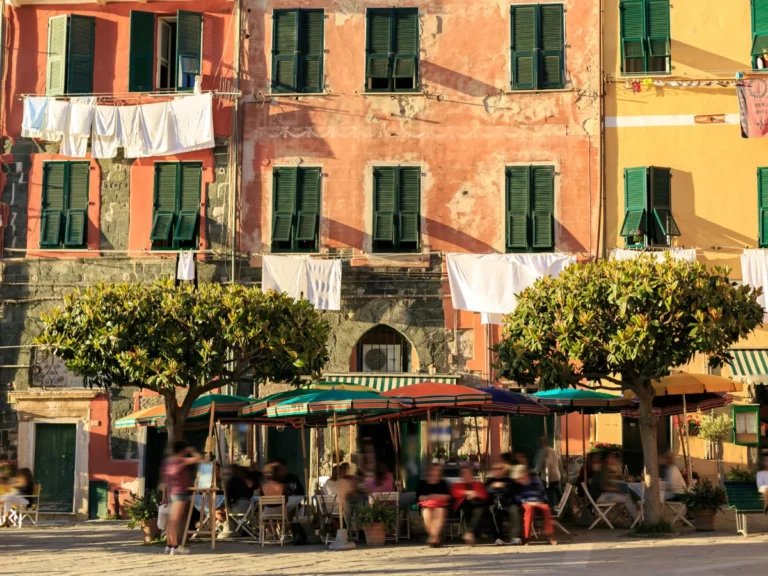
762	481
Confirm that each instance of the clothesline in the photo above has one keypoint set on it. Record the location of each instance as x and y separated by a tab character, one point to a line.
133	95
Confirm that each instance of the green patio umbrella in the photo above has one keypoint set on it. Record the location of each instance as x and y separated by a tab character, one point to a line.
225	405
565	400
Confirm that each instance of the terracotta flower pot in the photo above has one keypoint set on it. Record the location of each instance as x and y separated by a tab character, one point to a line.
375	534
705	520
150	530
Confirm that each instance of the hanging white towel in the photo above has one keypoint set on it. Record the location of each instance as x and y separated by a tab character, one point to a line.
56	117
754	273
490	283
106	135
687	254
284	274
130	131
186	268
33	121
192	117
154	128
324	283
75	140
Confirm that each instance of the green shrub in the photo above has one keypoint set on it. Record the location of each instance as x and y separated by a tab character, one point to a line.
142	508
739	474
705	496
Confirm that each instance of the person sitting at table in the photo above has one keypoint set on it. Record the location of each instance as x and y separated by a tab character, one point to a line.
672	479
533	498
470	497
608	484
293	486
594	469
14	490
434	497
382	481
272	485
762	483
331	486
502	495
240	489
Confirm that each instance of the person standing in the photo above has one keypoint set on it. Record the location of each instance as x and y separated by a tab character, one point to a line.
177	477
434	497
549	467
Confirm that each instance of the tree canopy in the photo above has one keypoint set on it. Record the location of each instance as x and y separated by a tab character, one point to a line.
621	325
163	337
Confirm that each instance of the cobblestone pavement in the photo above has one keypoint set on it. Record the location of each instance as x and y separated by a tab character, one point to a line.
107	548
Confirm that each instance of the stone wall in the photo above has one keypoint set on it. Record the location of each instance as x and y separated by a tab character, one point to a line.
29	286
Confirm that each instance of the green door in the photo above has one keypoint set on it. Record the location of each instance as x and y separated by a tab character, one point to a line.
286	445
526	431
55	466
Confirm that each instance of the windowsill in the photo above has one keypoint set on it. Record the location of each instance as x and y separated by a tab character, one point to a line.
391	260
646	75
541	91
393	94
296	94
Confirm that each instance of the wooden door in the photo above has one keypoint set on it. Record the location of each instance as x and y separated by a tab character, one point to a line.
55	466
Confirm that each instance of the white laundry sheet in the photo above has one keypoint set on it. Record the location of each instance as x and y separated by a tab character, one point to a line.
75	140
490	283
754	273
687	254
192	119
319	281
33	120
56	118
106	132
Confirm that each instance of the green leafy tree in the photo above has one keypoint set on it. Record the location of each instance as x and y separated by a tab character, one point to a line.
162	337
620	325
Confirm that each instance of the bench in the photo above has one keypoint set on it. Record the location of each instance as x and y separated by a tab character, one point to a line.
744	499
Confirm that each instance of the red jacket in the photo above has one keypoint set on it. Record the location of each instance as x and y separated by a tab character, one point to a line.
459	490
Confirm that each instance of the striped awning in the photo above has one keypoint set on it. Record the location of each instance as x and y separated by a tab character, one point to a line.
750	365
386	382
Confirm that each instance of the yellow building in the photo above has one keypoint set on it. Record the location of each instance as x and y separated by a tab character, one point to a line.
670	102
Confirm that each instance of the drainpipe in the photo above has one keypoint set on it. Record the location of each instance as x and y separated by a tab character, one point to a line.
234	145
2	64
602	231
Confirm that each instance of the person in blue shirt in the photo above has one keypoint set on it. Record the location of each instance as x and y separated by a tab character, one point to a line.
533	498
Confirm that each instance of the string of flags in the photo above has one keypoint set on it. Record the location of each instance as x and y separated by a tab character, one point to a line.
638	85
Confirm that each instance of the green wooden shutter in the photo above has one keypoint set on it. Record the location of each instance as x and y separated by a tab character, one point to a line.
552	59
658	33
188	206
56	66
762	205
384	204
635	202
164	213
542	207
759	26
52	213
311	27
632	36
524	58
518	187
409	204
283	203
661	204
379	49
308	204
82	38
77	204
406	47
285	49
189	42
142	57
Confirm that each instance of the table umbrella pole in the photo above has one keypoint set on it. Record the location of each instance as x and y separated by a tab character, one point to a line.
487	444
429	437
394	447
338	463
567	451
304	458
687	442
584	444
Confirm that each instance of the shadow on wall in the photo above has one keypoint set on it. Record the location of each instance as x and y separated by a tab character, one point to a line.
450	235
706	61
434	73
343	234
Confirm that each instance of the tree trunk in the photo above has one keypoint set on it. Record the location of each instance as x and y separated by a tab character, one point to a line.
176	418
653	510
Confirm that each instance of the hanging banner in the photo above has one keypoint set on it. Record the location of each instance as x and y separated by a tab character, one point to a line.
753	108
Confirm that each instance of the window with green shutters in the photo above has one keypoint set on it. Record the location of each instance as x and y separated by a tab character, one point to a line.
645	37
762	206
71	43
296	209
64	210
176	209
392	50
297	50
397	209
179	56
648	219
530	206
760	33
537	46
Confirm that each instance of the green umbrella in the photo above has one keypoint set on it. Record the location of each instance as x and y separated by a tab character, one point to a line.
259	407
226	405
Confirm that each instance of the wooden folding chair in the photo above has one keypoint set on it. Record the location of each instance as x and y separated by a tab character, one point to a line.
20	512
602	509
560	508
272	515
245	520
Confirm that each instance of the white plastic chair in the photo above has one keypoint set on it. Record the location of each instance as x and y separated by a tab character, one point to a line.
560	508
640	508
602	509
328	510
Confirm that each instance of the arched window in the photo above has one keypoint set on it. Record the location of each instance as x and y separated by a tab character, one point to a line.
383	349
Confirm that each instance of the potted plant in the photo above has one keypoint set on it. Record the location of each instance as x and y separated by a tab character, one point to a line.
377	519
704	500
142	512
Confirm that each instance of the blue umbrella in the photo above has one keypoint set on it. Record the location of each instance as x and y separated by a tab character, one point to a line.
505	402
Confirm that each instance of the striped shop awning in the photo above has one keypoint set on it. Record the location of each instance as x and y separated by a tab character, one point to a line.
384	382
750	365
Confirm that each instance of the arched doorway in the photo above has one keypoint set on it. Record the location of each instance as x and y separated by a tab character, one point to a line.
383	350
